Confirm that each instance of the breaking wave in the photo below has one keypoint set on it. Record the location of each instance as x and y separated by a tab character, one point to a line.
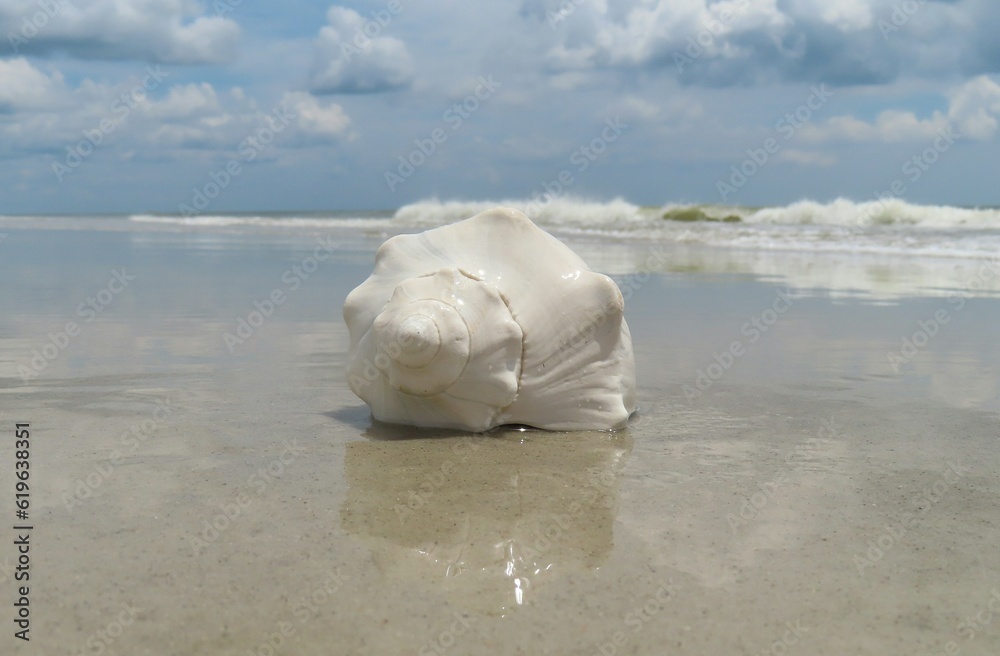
894	227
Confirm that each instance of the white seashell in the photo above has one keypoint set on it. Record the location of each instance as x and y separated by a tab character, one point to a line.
485	322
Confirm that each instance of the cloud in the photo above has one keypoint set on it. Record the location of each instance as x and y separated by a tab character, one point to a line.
316	118
26	87
748	42
353	56
186	101
975	107
847	15
39	113
891	126
196	116
973	110
164	31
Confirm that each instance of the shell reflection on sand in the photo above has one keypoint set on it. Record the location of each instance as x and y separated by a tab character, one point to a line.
488	519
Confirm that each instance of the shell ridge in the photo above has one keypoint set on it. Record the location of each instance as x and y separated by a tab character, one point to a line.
520	364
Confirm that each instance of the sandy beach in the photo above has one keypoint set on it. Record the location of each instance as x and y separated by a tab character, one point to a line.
787	487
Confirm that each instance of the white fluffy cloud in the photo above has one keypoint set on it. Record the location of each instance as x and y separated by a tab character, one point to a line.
355	56
186	101
889	126
975	107
973	111
318	118
22	86
39	112
165	31
196	116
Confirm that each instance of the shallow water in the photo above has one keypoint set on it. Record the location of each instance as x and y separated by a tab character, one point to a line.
807	496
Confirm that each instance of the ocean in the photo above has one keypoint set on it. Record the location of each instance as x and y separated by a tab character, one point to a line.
875	250
893	228
818	409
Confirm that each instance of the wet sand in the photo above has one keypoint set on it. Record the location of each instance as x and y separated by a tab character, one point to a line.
808	498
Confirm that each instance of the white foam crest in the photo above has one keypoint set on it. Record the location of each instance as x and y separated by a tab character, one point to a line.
622	214
560	211
892	228
843	212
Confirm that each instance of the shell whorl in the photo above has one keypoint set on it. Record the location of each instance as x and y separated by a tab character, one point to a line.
427	342
448	338
419	340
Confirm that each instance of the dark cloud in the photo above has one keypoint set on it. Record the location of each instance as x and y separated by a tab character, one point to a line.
744	43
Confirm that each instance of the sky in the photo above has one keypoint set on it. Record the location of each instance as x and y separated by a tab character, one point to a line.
213	106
